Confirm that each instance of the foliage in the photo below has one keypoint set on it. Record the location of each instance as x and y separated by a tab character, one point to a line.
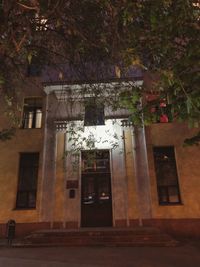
160	37
195	140
7	134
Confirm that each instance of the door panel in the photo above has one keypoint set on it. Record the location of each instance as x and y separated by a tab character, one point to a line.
96	203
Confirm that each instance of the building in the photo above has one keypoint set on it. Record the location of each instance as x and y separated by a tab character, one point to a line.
84	165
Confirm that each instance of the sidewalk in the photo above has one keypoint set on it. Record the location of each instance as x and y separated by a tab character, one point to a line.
183	256
3	242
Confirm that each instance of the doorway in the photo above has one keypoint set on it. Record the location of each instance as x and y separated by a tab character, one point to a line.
96	197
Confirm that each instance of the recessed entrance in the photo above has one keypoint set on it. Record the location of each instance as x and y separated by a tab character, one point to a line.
96	200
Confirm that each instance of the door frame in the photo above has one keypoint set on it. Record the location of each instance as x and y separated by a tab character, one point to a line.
111	185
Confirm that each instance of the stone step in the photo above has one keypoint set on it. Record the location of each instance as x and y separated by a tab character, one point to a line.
99	237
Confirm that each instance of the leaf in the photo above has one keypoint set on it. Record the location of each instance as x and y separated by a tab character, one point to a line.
29	57
7	134
117	72
1	80
189	105
195	140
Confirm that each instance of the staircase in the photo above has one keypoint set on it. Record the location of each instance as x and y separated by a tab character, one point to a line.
137	236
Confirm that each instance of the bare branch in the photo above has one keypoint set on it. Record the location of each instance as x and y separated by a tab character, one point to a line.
29	7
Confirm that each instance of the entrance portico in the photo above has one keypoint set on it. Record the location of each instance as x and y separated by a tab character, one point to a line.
99	184
64	184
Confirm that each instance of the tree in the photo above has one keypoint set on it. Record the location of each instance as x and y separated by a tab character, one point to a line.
160	37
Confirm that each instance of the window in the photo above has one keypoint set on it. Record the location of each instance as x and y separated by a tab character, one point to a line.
162	112
34	68
27	185
32	115
166	174
94	113
95	161
41	23
160	109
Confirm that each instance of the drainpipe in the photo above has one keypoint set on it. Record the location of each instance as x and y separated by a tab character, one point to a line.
48	168
126	177
44	159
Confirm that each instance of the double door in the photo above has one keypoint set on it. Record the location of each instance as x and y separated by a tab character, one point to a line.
96	199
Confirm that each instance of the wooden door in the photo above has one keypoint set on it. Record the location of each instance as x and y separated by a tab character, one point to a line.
96	200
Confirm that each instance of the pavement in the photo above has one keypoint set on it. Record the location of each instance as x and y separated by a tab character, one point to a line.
186	255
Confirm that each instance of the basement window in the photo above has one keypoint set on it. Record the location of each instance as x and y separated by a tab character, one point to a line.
32	113
166	174
27	185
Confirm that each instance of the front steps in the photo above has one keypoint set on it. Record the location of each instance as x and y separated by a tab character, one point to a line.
126	237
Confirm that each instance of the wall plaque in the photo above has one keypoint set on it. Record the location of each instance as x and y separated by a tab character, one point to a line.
71	184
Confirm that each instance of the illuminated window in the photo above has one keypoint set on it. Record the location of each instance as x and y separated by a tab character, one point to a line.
94	113
41	23
95	161
166	174
32	113
27	185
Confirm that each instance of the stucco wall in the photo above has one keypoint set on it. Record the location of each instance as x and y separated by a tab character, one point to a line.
24	140
29	140
187	160
59	208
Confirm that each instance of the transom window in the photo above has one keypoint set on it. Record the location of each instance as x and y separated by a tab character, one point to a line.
95	161
32	113
27	185
94	113
166	174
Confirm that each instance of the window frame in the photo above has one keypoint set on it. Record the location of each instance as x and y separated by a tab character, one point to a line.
168	187
91	161
97	110
28	108
34	70
35	167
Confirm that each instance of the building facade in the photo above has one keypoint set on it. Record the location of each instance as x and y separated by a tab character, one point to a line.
75	162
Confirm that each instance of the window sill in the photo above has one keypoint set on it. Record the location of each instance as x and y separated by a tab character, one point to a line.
170	204
18	209
30	128
93	125
159	122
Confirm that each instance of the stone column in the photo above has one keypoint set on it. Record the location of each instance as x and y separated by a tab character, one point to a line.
48	169
143	187
60	183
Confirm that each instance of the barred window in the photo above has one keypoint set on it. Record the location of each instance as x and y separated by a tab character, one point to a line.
27	184
166	174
